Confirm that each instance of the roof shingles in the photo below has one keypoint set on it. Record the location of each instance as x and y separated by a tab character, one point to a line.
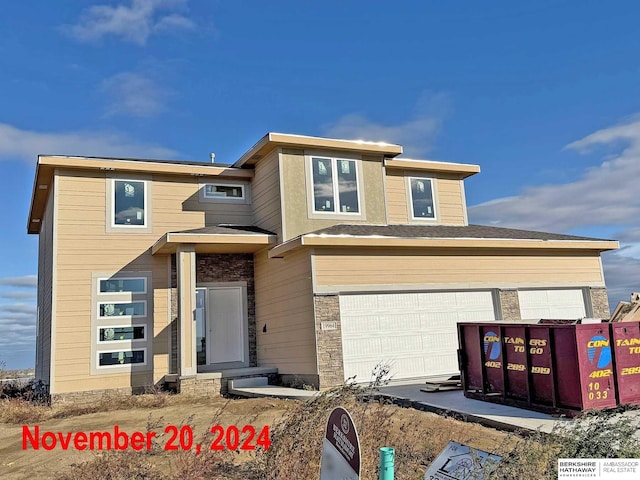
445	231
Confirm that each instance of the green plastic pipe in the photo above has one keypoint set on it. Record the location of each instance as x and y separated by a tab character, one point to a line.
387	463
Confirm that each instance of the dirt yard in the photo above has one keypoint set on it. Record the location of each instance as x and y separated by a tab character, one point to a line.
200	414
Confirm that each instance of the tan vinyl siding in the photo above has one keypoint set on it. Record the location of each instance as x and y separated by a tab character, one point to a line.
342	267
297	192
284	303
266	195
84	247
449	199
45	284
397	210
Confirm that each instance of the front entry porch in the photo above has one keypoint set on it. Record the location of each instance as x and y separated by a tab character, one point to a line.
213	325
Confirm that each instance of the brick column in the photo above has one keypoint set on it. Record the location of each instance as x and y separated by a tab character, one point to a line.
509	305
599	302
328	340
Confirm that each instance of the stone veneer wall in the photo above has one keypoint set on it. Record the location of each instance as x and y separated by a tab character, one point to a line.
509	305
599	302
329	342
173	328
235	267
92	396
200	387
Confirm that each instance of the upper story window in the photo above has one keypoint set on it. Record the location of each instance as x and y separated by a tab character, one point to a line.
218	190
223	191
422	204
335	185
129	203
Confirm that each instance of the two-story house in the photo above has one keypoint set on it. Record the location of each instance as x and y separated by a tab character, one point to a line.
316	257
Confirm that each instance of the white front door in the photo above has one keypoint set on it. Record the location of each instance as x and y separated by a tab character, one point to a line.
226	326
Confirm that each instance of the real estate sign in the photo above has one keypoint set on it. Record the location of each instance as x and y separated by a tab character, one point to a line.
460	462
340	448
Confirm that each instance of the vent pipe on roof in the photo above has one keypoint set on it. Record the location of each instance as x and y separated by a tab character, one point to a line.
212	156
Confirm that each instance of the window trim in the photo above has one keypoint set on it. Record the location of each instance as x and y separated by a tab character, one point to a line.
432	182
100	317
112	220
100	279
123	365
220	184
125	342
244	200
335	184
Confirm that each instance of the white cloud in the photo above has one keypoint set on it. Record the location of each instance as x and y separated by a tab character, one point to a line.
18	325
26	144
622	275
18	295
30	281
134	22
603	196
18	309
416	135
134	94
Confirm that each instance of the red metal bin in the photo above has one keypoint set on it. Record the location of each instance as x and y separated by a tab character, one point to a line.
561	368
626	345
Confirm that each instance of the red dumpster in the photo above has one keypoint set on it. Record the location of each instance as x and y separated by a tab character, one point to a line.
562	368
626	345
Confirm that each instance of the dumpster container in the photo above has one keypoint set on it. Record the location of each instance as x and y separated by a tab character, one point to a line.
551	367
625	337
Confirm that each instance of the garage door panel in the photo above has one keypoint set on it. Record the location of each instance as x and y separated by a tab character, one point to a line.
557	303
473	316
402	301
399	321
358	347
360	323
409	343
415	332
439	318
358	302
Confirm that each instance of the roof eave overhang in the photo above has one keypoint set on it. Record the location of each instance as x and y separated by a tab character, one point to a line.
272	139
462	170
47	164
212	243
472	243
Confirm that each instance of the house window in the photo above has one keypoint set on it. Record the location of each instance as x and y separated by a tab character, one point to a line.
129	199
217	190
121	321
335	185
123	357
123	285
422	198
129	309
118	334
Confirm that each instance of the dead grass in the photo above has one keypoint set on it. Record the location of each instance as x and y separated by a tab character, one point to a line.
297	429
20	411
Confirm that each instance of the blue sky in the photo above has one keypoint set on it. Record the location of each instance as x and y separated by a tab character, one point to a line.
543	95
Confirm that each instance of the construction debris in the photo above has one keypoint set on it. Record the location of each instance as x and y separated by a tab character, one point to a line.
628	311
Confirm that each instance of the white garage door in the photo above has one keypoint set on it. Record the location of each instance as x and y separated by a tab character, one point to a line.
414	332
561	304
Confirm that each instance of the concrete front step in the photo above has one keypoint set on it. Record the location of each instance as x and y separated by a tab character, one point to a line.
259	387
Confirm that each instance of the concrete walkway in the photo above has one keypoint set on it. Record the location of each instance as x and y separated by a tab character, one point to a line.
490	414
408	393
